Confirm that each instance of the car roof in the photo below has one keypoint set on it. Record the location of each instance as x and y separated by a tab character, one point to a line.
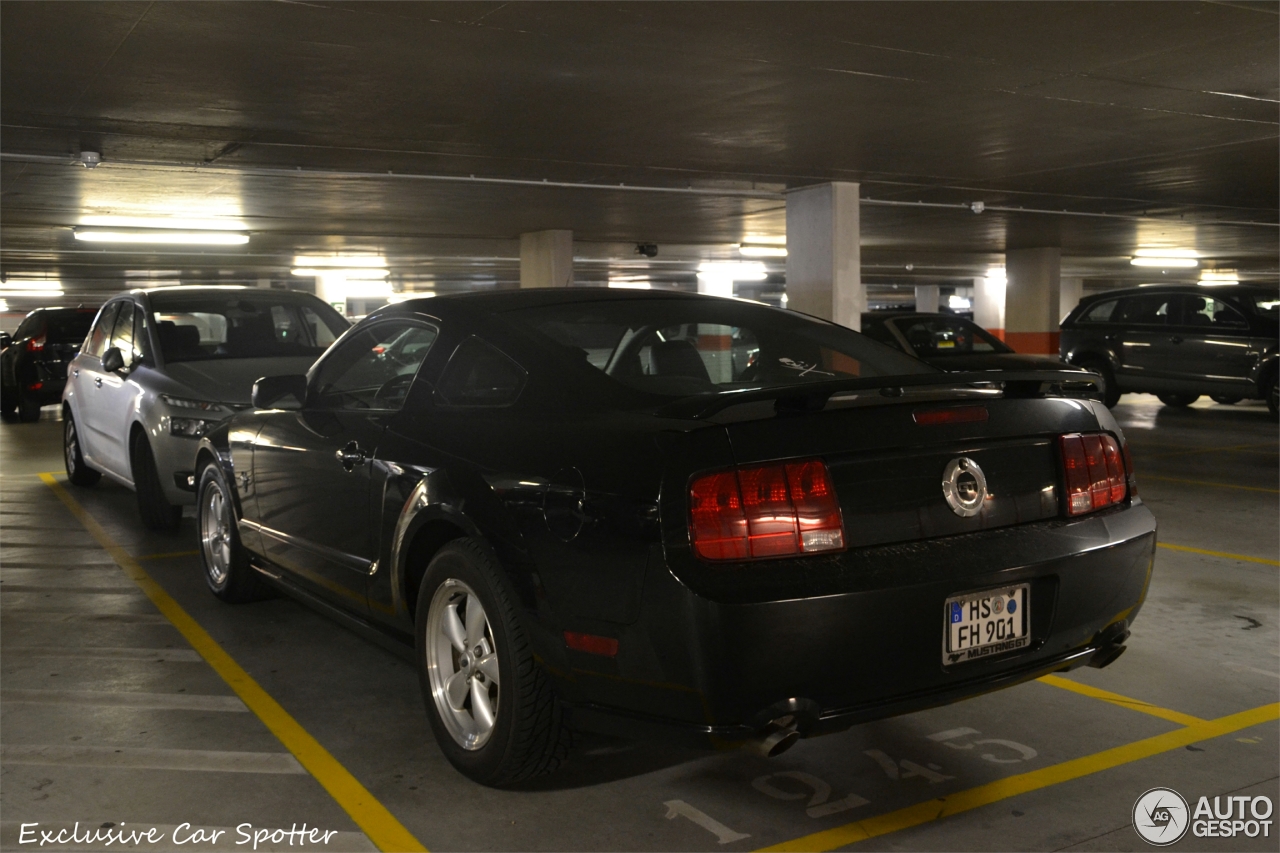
902	315
1228	289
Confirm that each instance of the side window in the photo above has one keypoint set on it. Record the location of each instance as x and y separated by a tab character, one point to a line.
1154	309
122	334
374	367
101	331
1207	312
479	375
1101	313
141	342
30	326
321	334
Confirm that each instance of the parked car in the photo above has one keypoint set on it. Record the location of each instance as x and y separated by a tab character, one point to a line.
949	342
1179	342
688	517
161	367
33	364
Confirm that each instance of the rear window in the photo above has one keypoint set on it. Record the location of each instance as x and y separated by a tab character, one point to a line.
1100	313
68	327
203	327
932	337
1149	309
1268	304
683	347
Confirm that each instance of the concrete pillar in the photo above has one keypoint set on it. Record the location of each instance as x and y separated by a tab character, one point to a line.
546	259
1069	293
927	298
988	302
1032	300
824	253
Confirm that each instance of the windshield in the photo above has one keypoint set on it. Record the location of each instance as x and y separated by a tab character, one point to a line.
931	337
1266	304
202	327
682	347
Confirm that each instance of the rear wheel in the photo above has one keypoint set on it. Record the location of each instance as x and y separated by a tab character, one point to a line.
225	561
1178	399
1272	394
1225	399
491	707
78	472
1110	391
156	511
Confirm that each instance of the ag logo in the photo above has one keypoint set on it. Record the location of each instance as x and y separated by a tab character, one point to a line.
1160	816
964	486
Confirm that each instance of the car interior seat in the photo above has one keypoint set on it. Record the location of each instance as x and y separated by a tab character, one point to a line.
679	358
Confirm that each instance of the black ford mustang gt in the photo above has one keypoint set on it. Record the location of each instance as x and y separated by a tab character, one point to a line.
675	515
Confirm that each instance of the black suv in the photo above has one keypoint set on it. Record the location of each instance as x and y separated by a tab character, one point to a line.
1179	342
33	365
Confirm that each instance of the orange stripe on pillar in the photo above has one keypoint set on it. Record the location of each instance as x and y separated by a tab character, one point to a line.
1041	343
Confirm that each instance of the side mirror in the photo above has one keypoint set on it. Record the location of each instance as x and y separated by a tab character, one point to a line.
270	392
5	340
112	360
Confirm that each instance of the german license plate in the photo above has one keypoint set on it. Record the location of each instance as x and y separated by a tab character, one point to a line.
982	624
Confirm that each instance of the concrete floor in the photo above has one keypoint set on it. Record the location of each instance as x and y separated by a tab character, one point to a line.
109	716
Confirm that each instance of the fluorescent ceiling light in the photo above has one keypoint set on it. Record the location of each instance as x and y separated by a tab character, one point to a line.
339	261
749	271
30	294
1219	277
32	288
193	238
630	285
749	251
1149	252
405	297
4	306
958	303
1169	262
349	274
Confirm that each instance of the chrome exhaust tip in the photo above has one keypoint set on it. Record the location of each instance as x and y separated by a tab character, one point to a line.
775	738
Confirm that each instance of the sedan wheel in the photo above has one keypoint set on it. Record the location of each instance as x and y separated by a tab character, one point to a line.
491	706
1225	399
215	535
78	472
462	664
1176	399
226	563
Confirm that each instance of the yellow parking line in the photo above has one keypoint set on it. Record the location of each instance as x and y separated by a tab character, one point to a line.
1222	554
378	824
1011	786
168	556
1211	483
1123	701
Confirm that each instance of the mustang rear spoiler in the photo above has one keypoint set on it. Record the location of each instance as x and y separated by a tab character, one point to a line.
813	397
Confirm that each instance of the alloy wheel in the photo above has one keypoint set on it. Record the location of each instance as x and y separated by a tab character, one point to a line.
69	446
462	664
215	534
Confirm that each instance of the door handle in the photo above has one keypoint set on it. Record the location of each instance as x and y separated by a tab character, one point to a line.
351	455
97	380
76	373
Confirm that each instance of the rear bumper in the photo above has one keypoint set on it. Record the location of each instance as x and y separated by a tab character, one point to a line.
699	670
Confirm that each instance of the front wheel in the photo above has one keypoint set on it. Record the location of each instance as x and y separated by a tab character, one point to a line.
78	472
225	561
156	511
491	707
1225	399
1178	399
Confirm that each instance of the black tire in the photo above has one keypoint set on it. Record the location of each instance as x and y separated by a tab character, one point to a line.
79	473
529	734
1225	399
156	511
1110	391
28	409
1271	393
1179	400
224	559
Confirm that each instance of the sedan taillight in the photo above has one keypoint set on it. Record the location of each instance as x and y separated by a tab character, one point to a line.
762	511
35	344
1096	471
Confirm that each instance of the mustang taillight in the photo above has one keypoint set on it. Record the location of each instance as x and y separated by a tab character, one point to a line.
1096	470
765	511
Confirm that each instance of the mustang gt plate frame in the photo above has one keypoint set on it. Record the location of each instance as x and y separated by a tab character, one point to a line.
985	623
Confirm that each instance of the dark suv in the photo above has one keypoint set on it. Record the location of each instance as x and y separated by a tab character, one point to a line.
33	366
1179	342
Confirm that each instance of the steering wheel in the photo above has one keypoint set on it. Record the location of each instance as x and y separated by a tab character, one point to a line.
395	388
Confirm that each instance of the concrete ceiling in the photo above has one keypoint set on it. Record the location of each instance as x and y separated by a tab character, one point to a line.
425	131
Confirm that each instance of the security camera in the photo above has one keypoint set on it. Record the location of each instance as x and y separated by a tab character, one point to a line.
90	159
649	250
